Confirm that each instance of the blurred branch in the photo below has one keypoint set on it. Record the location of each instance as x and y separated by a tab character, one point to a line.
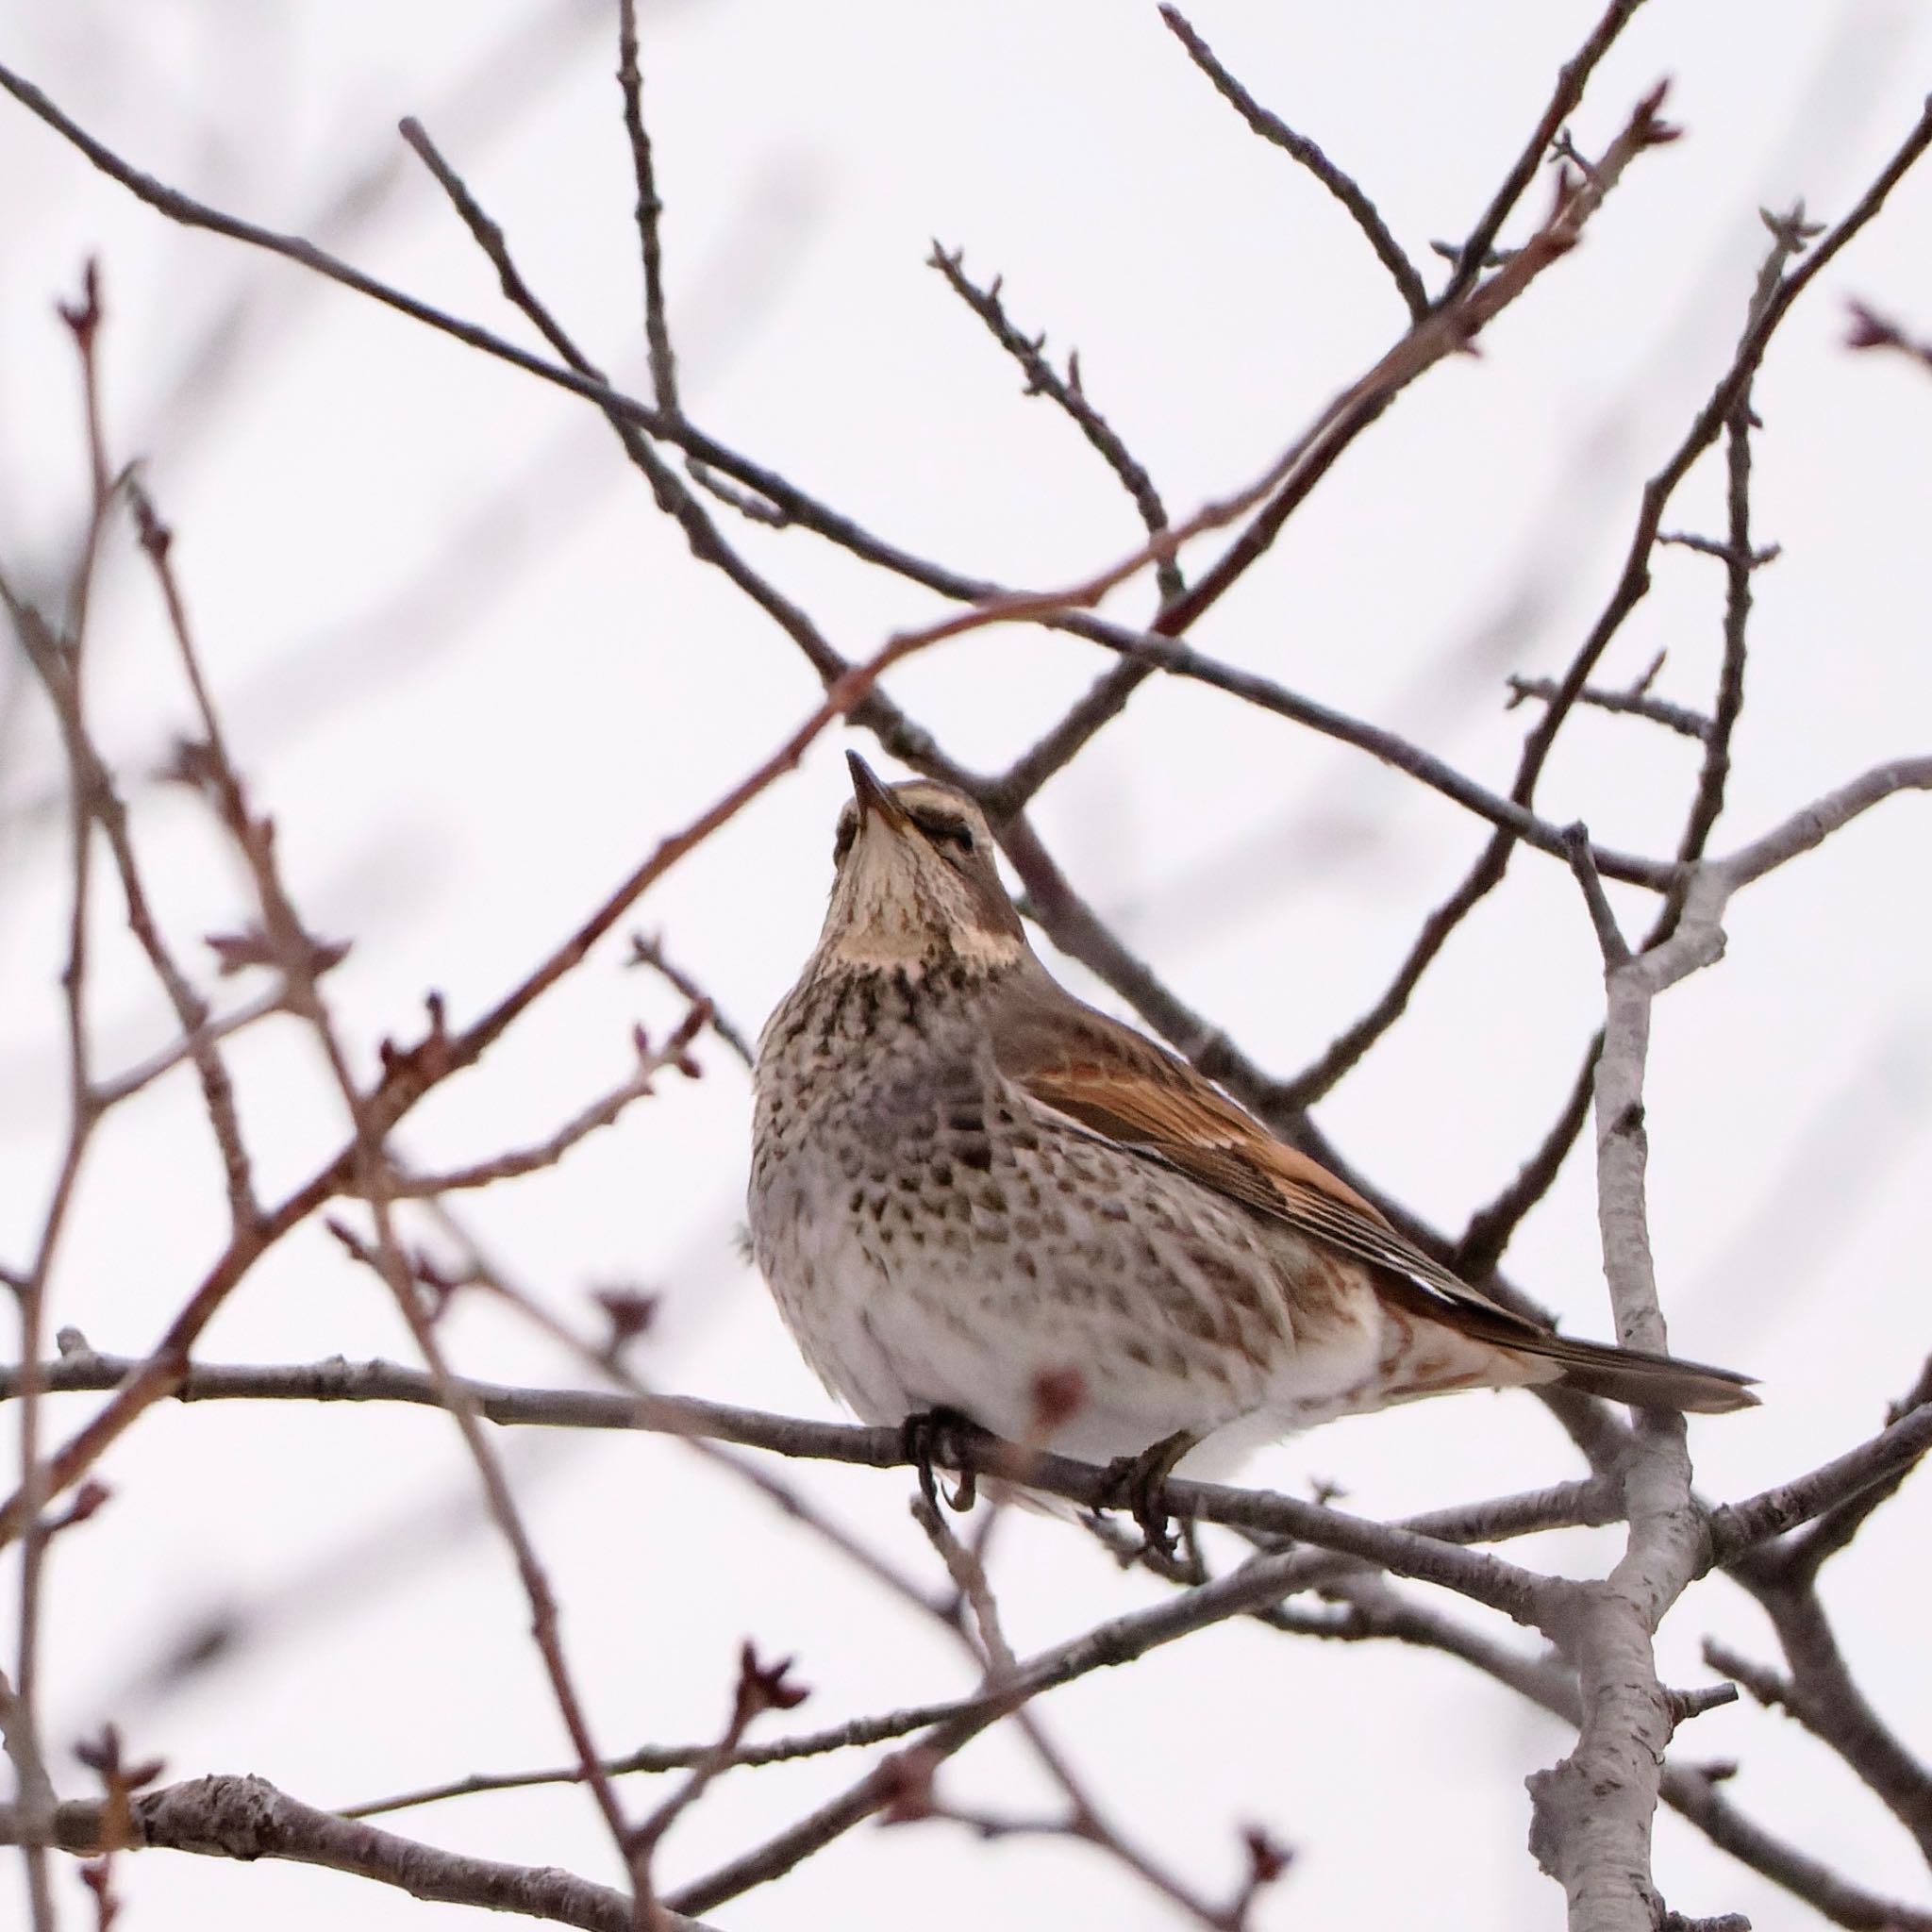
852	1735
1802	1557
1563	1506
1513	818
976	1623
1871	330
1258	1583
60	664
1446	330
59	667
1694	1793
410	1074
165	1060
1449	328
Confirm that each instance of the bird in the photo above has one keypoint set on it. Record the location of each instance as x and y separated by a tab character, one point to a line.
975	1197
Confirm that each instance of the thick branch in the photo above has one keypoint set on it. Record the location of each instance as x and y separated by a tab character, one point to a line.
247	1818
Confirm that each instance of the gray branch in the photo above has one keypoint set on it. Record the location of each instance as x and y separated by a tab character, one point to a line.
1429	1556
1594	1811
247	1818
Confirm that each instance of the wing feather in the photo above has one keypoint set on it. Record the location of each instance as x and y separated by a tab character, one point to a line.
1113	1082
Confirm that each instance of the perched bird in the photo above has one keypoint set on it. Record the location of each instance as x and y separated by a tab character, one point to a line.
964	1180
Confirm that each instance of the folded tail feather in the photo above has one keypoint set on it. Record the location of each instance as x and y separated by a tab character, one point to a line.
1641	1378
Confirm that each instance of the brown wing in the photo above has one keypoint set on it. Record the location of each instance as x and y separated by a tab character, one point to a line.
1114	1082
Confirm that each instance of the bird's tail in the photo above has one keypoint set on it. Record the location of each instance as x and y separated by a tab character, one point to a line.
1639	1377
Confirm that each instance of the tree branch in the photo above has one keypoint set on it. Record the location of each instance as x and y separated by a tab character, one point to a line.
1278	133
247	1818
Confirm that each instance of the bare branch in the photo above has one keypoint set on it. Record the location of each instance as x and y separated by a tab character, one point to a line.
1374	1610
1071	397
1610	935
1675	718
1766	312
1571	78
1275	131
1871	330
649	952
247	1818
1804	831
1428	1556
1791	234
1512	819
851	1735
650	212
1890	1454
1694	1794
674	1053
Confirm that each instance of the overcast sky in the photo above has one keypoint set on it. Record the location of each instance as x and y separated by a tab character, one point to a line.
474	677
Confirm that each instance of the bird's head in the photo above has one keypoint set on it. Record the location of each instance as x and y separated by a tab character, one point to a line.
916	883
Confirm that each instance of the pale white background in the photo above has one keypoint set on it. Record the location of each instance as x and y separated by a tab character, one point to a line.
474	675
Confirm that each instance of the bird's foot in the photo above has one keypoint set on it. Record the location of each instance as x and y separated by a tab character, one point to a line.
935	1435
1139	1484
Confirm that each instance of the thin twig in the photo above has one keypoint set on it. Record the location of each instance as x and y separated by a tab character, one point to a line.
1571	78
1274	130
1070	395
1790	235
674	1053
1632	704
1610	935
650	212
649	952
1766	311
852	1735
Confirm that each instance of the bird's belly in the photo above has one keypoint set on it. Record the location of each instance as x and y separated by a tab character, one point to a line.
956	1265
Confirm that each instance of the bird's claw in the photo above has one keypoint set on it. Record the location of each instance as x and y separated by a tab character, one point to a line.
1139	1485
935	1435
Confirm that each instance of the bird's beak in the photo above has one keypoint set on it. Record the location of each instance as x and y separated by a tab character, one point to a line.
875	801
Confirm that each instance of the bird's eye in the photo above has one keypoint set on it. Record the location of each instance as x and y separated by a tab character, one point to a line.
944	831
842	839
